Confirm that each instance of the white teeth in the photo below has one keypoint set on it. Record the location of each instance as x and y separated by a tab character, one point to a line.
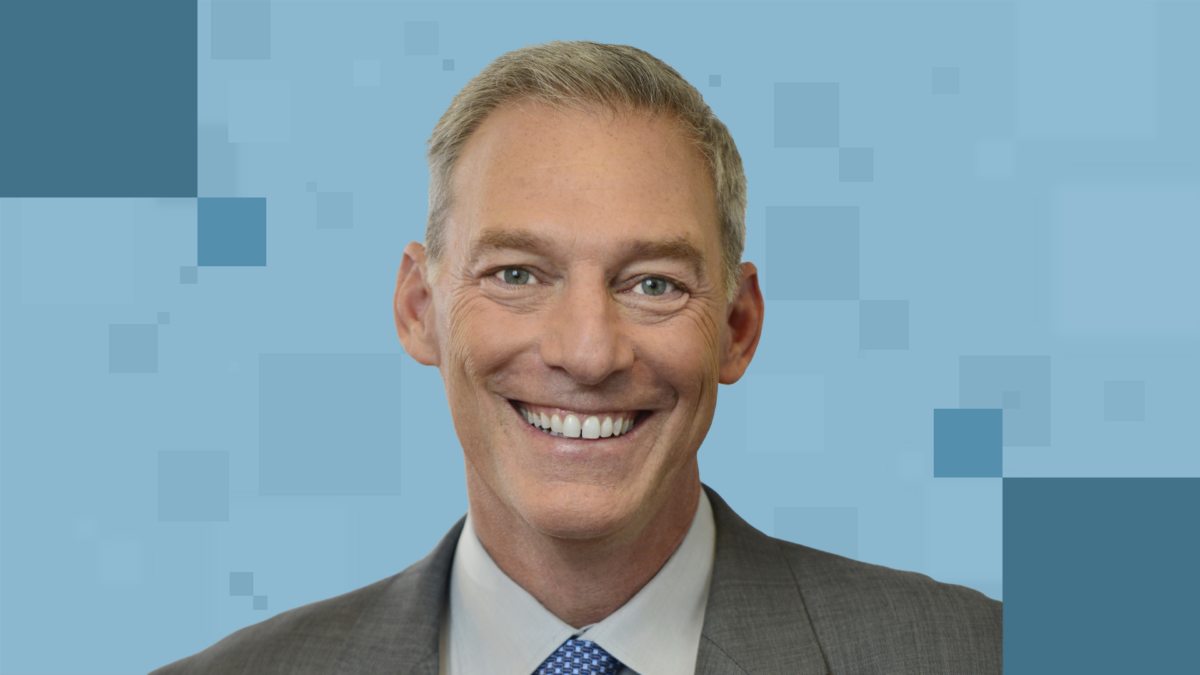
555	424
606	427
544	422
591	427
628	425
571	427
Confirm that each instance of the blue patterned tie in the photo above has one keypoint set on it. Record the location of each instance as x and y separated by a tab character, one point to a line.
579	657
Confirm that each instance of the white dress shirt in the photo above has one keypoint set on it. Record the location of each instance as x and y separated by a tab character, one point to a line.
494	626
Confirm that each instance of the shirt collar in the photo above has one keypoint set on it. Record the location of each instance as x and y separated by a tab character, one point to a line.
494	624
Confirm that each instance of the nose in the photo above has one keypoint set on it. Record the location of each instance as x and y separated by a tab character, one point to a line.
585	335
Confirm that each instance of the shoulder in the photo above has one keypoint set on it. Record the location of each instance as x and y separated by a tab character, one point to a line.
865	611
300	640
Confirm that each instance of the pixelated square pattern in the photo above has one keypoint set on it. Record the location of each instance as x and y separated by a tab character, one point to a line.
883	324
967	443
807	115
260	111
420	38
327	424
785	414
1123	261
241	29
335	210
1105	87
133	348
232	231
241	583
812	253
856	165
833	529
1124	401
988	381
193	485
1100	575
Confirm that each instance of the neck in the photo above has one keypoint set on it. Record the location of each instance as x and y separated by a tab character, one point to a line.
582	581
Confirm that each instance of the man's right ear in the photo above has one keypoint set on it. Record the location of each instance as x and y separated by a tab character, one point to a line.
413	306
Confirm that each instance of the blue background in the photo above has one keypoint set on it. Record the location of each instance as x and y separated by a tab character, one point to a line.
977	225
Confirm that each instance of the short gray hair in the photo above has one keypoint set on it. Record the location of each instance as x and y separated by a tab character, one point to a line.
583	76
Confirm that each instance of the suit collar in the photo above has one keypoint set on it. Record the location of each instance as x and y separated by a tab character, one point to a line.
756	622
403	624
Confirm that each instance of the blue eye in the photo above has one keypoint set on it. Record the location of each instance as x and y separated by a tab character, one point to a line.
653	286
515	276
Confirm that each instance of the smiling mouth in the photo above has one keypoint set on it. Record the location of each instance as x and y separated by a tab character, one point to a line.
567	424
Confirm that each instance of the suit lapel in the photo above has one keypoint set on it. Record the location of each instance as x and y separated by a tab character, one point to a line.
755	622
398	633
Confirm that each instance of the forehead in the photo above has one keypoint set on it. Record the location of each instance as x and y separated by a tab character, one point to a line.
590	177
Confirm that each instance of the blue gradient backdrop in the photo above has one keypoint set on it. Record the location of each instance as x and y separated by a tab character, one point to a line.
978	226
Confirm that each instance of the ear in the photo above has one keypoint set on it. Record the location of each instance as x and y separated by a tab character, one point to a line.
413	305
744	322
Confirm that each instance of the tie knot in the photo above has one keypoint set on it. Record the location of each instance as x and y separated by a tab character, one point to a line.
579	657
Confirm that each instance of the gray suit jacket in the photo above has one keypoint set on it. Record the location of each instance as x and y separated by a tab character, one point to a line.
773	607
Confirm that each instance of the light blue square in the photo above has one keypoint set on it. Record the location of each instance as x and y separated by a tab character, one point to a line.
1124	261
241	29
366	73
968	443
193	485
714	80
1124	401
164	318
986	382
133	348
241	583
232	232
327	424
856	165
447	64
807	115
260	111
187	274
833	529
883	324
335	210
260	602
420	38
945	80
812	253
1103	86
218	162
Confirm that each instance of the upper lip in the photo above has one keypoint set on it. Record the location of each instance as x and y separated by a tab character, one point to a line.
582	410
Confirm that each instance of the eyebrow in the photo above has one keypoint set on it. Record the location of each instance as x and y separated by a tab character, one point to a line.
673	248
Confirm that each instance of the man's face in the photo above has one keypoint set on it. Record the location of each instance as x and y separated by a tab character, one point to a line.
581	279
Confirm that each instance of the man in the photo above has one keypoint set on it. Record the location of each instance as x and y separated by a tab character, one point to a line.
582	293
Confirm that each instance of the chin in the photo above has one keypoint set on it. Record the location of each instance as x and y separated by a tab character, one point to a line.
576	511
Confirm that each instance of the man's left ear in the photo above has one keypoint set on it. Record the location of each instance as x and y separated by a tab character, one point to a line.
744	318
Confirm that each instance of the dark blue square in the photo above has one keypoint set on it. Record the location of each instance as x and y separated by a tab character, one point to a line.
231	231
968	443
1100	575
99	98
